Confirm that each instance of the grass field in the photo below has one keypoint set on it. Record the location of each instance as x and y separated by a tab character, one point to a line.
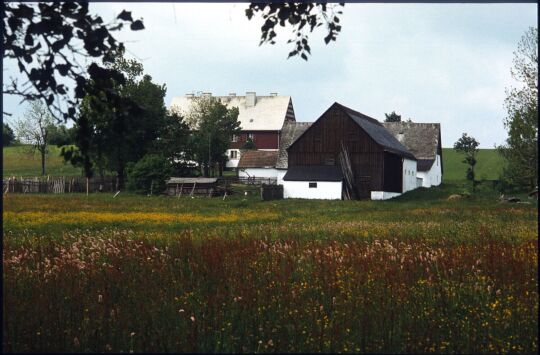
489	165
132	273
22	161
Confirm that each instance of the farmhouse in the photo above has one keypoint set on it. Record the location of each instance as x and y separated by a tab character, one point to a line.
257	163
346	154
261	119
424	141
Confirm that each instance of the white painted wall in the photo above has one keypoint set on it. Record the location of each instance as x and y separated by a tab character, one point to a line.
325	190
281	174
232	163
383	195
432	177
258	172
409	174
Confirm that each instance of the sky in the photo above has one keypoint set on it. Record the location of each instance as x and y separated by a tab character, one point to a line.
446	63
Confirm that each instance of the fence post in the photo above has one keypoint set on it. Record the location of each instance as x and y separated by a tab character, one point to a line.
86	186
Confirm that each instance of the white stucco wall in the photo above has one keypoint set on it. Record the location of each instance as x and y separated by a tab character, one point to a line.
258	172
232	163
383	195
409	175
281	174
326	190
432	177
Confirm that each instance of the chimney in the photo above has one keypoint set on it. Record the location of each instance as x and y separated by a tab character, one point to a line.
206	94
189	95
232	94
251	99
273	94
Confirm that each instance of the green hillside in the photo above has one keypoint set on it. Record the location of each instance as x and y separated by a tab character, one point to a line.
489	165
21	161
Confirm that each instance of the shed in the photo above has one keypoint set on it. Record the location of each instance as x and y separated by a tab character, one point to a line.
178	186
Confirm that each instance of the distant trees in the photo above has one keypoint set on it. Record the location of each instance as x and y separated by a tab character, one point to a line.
32	129
213	126
60	135
468	146
521	148
8	136
392	117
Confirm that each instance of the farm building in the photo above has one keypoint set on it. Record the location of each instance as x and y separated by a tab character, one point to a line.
261	119
257	163
178	186
346	154
424	141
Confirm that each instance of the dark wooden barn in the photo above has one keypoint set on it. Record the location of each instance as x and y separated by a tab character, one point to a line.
366	153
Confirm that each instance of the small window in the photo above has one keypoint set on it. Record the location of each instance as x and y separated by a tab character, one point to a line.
234	138
312	185
329	159
251	136
234	154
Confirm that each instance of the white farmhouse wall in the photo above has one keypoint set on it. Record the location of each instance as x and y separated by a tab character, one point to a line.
325	190
409	175
232	163
432	177
281	174
383	195
258	172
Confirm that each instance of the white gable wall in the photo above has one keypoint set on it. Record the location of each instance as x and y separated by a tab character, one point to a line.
409	174
432	177
325	190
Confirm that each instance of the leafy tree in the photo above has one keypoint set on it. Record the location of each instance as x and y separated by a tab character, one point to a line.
149	174
213	125
173	142
60	135
393	117
110	134
248	145
8	136
301	17
47	41
521	148
32	129
468	146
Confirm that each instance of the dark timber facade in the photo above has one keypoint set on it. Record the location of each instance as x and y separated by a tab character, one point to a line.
376	157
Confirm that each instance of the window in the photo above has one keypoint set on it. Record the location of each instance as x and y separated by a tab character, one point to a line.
234	154
329	159
251	136
234	138
312	185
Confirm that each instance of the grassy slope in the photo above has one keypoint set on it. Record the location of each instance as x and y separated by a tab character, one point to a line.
17	161
20	161
489	165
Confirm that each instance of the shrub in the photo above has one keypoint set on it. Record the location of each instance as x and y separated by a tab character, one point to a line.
149	174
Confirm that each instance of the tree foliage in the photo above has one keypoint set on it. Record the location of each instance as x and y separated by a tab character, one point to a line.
60	135
521	122
32	129
47	41
213	124
302	17
468	146
249	144
109	134
149	174
393	117
8	136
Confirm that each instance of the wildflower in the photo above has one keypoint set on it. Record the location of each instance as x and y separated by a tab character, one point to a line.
76	342
132	334
100	298
192	318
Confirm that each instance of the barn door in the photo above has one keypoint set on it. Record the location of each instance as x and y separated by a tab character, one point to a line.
363	186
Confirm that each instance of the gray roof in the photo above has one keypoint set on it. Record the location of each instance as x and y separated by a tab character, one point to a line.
314	173
180	180
289	133
424	164
421	139
377	132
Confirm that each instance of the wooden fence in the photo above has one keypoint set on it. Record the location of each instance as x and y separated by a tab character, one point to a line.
58	185
247	180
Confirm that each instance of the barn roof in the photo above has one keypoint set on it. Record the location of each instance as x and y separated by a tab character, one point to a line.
289	133
181	180
267	114
421	139
257	159
377	132
314	173
424	164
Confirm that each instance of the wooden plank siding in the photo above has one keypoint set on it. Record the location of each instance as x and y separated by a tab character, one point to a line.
321	143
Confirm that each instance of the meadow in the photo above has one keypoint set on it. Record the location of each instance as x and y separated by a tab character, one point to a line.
21	160
133	273
489	166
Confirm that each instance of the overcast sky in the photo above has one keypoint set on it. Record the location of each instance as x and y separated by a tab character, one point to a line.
447	63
